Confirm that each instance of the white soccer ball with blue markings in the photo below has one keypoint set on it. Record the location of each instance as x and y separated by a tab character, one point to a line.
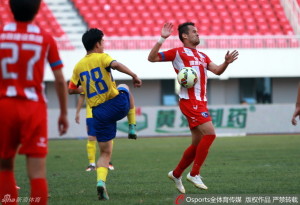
187	77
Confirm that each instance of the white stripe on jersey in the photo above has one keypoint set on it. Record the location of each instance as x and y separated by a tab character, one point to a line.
205	85
177	62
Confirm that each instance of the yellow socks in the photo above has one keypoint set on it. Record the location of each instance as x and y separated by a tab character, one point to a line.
91	151
102	173
131	116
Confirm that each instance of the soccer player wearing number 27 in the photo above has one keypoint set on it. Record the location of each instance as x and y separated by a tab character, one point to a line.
109	103
24	47
193	102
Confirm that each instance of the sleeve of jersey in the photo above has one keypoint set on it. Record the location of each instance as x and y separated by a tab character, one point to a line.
53	56
74	81
107	60
207	60
167	55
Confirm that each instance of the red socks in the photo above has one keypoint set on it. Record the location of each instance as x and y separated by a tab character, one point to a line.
186	160
8	188
39	191
202	151
197	154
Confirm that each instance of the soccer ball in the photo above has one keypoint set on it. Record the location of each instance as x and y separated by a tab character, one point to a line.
187	77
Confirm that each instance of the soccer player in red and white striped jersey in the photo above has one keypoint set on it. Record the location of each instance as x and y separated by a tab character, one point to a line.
24	47
193	101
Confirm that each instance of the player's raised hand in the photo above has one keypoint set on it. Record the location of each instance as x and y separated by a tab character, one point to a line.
63	124
166	30
230	57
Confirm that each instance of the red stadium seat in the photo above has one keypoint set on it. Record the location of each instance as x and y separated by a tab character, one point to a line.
45	19
213	17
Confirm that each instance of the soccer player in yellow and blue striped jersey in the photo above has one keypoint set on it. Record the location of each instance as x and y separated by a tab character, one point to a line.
109	103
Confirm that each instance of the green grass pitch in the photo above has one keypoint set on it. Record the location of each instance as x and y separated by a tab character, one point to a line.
235	165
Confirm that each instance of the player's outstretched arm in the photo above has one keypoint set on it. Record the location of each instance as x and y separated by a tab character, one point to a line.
297	109
166	31
61	90
124	69
229	58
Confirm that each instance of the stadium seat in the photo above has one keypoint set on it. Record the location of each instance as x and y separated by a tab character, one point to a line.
45	19
216	10
213	17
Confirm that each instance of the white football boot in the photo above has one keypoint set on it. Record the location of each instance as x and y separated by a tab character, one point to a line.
177	181
196	180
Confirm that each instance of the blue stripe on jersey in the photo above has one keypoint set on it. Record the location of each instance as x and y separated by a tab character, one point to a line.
162	56
55	63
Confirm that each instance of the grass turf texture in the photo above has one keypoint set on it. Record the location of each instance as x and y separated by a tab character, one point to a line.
242	165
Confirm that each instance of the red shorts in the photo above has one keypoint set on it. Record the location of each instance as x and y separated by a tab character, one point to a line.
195	111
23	126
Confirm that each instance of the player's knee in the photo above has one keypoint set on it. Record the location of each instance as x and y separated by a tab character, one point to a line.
92	138
105	152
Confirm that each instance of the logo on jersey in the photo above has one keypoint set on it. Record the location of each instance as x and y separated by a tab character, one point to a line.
42	142
204	114
198	61
195	63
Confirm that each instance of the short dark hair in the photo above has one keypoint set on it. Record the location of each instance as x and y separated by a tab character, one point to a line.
183	28
91	37
24	10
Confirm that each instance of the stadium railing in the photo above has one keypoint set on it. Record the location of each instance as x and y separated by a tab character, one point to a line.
208	42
